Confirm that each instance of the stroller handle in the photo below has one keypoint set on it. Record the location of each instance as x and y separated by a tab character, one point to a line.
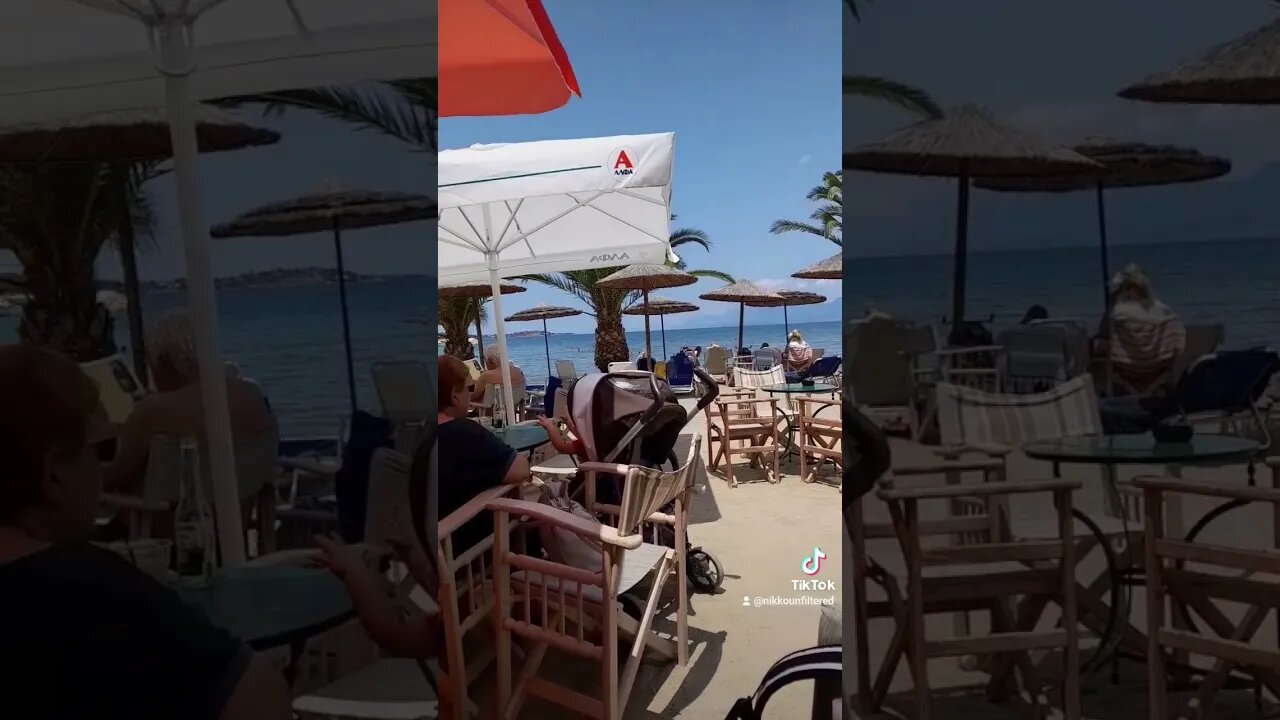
713	392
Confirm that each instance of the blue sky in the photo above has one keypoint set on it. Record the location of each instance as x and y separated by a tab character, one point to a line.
1052	69
750	90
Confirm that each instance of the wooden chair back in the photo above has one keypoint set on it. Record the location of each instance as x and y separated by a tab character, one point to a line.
1198	576
466	598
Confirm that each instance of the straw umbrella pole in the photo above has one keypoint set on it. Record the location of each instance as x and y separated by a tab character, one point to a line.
744	292
544	313
661	307
332	211
1124	165
477	290
830	269
789	298
120	138
645	278
967	143
1243	71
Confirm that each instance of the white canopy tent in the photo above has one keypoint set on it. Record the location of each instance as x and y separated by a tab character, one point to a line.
551	206
64	58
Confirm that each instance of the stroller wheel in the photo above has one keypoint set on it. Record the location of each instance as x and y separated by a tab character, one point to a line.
704	570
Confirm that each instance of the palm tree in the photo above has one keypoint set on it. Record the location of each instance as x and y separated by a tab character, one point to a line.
888	91
828	215
402	109
607	305
458	316
56	218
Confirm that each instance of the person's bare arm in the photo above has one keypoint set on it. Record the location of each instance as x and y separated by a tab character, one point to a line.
133	445
261	694
518	472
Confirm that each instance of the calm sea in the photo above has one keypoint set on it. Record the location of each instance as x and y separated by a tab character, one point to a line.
289	338
1235	283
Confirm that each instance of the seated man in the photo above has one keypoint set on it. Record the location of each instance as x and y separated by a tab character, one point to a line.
86	634
177	406
492	376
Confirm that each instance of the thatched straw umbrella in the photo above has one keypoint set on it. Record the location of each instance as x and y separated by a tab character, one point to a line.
790	298
830	269
966	143
1124	165
645	278
544	312
332	211
1244	71
744	292
121	138
661	307
477	290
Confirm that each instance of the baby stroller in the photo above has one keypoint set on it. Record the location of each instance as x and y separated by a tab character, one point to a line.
634	418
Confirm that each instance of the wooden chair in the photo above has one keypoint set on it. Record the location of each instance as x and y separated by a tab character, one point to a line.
579	610
978	425
467	602
737	416
1195	575
819	437
171	458
919	580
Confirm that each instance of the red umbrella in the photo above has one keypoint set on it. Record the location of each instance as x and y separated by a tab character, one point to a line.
501	57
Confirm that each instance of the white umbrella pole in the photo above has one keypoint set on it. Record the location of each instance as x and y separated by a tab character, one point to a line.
500	327
177	60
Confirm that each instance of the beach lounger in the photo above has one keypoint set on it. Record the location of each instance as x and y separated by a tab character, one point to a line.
1035	357
680	373
621	366
766	358
407	396
716	363
566	371
881	373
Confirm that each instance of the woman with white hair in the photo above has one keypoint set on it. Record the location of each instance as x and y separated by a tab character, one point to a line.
1146	336
492	375
176	408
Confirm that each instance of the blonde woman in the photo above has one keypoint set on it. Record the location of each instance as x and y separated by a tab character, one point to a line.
1142	336
799	354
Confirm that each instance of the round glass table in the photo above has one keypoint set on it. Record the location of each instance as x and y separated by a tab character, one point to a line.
788	433
799	389
1112	451
522	437
1141	450
270	607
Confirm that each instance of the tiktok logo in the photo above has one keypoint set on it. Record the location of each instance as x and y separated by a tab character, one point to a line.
812	564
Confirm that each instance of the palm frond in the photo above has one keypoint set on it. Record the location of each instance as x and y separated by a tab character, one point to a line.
690	236
385	108
714	274
853	8
892	92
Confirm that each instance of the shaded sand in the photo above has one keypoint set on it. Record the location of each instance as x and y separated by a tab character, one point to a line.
959	694
761	533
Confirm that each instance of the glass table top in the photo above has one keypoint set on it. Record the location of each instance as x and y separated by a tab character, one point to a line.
1141	449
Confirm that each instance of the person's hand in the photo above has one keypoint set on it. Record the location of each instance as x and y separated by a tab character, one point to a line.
547	425
342	560
419	565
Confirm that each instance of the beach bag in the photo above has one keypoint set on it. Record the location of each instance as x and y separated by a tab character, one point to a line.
815	663
565	546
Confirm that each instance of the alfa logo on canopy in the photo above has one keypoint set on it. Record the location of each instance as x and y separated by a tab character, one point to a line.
622	163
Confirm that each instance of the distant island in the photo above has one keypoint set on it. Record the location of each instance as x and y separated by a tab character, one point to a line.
279	277
533	333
